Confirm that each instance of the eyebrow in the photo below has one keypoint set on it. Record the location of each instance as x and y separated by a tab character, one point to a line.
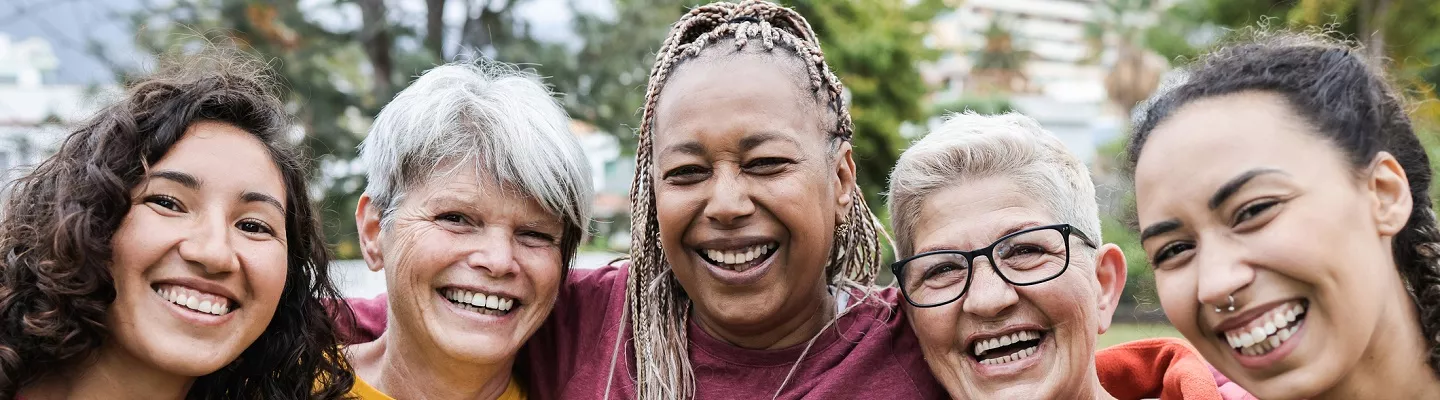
250	197
184	179
1229	188
755	140
1159	228
746	144
1013	229
690	147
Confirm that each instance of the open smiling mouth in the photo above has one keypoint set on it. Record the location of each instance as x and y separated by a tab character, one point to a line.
739	260
1269	331
487	304
195	300
1008	348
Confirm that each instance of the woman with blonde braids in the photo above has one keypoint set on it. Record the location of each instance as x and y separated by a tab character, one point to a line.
753	250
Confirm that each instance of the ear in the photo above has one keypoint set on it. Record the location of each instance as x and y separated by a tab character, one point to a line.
1110	271
1391	189
367	224
844	181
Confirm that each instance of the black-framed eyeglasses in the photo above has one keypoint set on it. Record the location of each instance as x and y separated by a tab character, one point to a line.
1023	258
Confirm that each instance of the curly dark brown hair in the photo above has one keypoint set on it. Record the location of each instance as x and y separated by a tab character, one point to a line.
1352	105
55	282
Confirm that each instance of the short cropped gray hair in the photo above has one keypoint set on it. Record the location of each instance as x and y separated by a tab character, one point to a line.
490	113
968	147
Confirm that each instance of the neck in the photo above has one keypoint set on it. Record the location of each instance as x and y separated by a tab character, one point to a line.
1392	364
406	369
1090	384
112	373
805	323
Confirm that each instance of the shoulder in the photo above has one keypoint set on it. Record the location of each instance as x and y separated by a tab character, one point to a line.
1152	367
514	391
589	287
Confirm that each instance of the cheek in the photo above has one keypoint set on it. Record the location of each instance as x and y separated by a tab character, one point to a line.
936	327
1068	303
267	268
139	242
1176	290
675	208
542	265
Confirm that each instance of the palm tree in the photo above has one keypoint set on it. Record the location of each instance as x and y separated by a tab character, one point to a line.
1000	65
1136	70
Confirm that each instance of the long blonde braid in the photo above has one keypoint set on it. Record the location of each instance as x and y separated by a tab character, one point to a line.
658	305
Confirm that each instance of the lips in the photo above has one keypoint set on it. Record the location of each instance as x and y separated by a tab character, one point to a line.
479	302
739	259
1006	348
1267	332
195	299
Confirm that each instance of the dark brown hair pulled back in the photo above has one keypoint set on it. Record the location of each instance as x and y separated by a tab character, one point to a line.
1350	103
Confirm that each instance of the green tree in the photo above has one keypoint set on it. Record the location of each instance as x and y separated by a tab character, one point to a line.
875	46
336	76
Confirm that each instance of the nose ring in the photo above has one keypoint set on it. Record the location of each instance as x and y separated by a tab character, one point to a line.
1229	308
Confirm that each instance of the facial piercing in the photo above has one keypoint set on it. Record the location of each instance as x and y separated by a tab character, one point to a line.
1230	308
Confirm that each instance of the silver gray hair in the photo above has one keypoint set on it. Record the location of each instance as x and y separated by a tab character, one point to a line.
490	113
968	147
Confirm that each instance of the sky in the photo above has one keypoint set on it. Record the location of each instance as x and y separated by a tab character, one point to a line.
69	25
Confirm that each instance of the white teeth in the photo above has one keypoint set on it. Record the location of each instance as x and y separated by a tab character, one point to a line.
984	345
194	300
481	301
1019	355
738	256
1268	332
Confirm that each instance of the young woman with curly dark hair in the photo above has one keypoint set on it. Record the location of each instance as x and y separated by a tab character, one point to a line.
169	250
1284	203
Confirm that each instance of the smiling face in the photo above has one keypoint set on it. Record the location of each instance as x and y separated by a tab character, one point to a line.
1237	196
199	261
747	190
1037	341
472	267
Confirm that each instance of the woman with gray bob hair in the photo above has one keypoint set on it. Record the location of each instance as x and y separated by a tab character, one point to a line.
1005	277
477	201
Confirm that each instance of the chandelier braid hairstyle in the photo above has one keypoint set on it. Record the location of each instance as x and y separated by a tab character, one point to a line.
659	306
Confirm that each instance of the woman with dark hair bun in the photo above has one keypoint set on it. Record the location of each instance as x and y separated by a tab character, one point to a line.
1283	200
170	250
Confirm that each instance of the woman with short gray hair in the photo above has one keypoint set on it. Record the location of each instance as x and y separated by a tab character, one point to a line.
477	200
1004	274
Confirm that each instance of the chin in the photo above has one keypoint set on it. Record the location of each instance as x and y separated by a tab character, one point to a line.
193	362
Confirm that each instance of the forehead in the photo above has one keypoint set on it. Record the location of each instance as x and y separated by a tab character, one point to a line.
215	150
1212	140
973	213
715	87
466	186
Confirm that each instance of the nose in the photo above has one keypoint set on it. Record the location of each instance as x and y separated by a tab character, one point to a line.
729	201
988	296
208	244
1221	271
494	252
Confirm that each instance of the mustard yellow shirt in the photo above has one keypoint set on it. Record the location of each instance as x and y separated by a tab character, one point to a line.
364	391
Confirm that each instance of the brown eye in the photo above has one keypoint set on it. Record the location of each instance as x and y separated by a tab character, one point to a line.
1251	211
767	165
1169	252
166	202
255	227
452	218
537	239
686	174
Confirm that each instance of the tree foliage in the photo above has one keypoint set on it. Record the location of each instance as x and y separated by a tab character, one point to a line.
340	61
